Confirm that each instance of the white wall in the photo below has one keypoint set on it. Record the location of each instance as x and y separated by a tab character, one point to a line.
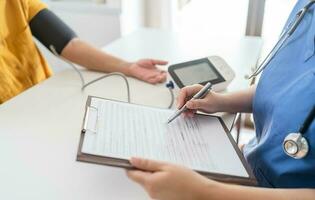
213	17
276	14
160	13
132	16
95	23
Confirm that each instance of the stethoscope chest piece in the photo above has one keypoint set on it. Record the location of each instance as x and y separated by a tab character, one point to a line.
295	145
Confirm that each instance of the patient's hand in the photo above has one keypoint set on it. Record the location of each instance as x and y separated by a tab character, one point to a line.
146	70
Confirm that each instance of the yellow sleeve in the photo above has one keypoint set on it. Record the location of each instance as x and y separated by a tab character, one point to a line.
34	6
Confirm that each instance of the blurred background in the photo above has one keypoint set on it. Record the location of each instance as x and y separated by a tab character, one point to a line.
102	21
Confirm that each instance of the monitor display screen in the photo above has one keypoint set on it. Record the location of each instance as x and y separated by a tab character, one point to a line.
197	73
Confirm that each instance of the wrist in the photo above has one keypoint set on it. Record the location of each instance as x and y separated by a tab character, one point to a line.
125	68
220	103
211	190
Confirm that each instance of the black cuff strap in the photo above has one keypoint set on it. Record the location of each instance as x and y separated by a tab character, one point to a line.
50	30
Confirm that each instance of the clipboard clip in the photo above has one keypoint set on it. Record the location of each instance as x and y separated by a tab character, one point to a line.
91	119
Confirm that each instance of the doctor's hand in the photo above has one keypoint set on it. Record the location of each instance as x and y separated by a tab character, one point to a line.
146	70
165	181
209	104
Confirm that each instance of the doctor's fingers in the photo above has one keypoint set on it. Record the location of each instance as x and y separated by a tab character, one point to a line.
186	93
138	176
197	104
145	168
190	113
147	164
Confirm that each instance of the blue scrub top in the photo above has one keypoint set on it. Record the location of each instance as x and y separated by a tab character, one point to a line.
284	96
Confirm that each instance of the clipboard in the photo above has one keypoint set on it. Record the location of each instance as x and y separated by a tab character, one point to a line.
124	163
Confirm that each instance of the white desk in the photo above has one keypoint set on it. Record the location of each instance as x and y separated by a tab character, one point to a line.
40	129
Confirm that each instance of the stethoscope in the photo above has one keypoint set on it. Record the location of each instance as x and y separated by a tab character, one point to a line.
294	145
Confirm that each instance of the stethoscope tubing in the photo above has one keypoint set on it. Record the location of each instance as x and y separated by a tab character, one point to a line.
308	121
283	39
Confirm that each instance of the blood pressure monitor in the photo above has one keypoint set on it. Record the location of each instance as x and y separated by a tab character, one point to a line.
211	69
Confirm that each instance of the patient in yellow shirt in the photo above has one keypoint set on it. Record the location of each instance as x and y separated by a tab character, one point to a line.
22	64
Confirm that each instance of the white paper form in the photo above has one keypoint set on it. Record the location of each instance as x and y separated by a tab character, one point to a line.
125	130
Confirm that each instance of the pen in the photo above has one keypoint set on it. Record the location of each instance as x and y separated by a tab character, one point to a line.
201	94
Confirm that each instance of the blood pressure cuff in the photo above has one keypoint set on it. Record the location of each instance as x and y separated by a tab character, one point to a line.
51	30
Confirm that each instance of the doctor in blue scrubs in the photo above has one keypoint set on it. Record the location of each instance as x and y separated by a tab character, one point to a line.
281	102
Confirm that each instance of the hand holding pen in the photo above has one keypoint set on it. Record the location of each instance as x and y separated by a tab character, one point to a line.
198	95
